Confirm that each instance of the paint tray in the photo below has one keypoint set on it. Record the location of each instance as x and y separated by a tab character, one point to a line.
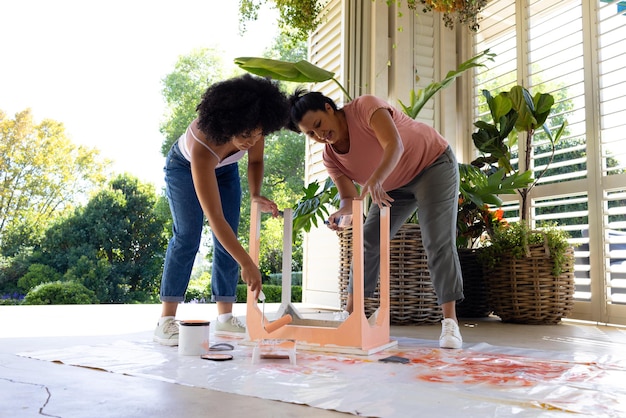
274	349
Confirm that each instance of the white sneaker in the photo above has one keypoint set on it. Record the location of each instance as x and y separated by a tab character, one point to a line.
450	334
166	332
232	326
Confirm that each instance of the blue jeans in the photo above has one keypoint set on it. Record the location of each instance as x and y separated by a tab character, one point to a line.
187	220
434	193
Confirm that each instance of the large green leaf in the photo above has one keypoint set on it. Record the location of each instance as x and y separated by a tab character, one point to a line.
311	207
483	189
533	111
299	72
421	97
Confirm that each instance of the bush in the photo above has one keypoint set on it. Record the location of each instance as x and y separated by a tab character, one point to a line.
60	293
197	294
37	274
272	293
277	278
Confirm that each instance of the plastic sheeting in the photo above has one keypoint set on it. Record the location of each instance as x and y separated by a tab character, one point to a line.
478	381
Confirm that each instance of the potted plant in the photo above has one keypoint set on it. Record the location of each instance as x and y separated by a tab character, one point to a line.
529	272
478	216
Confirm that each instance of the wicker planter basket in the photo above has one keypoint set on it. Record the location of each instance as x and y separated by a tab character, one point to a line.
476	302
412	298
525	291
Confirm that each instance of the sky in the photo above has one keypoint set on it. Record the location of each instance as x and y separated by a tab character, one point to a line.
97	66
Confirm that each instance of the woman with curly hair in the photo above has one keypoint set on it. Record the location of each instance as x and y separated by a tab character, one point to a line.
202	179
402	164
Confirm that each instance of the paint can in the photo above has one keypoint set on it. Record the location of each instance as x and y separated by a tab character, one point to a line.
193	337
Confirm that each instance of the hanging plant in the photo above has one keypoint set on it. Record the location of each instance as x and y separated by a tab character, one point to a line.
301	16
465	12
298	18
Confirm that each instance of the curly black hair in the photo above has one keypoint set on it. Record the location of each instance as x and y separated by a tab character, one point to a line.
240	105
302	101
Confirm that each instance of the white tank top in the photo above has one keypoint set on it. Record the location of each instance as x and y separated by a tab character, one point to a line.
182	145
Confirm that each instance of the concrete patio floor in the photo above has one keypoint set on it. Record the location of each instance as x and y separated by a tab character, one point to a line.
35	388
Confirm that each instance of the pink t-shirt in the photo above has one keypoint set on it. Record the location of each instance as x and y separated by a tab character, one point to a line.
422	145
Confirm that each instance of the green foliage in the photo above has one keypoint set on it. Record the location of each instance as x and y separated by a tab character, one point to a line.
271	246
477	191
93	273
11	269
60	293
284	48
199	289
301	71
514	238
296	294
115	244
11	301
482	189
512	113
282	183
36	275
297	18
312	206
198	295
277	278
43	175
453	11
419	98
242	293
272	293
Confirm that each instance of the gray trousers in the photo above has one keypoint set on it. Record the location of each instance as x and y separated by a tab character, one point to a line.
434	193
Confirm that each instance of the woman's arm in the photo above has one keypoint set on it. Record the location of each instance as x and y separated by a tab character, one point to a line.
255	178
203	166
389	139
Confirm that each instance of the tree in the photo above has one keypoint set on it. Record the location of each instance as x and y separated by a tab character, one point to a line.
115	245
42	175
183	89
285	48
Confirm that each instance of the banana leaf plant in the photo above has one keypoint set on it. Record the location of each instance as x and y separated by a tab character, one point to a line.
297	72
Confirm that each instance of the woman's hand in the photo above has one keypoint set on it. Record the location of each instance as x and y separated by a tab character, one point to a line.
379	195
333	221
266	205
252	276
